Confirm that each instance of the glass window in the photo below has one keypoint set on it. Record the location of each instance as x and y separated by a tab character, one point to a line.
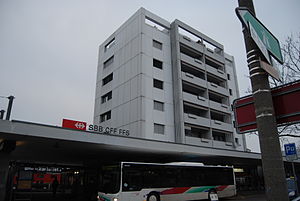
105	116
157	44
109	44
157	63
159	129
106	97
107	79
108	62
158	105
158	84
110	180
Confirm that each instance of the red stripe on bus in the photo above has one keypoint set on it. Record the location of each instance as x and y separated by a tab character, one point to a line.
221	188
178	190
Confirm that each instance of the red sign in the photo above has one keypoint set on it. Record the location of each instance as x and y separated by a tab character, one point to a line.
286	105
79	125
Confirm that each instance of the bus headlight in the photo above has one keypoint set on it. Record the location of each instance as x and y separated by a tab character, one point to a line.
115	199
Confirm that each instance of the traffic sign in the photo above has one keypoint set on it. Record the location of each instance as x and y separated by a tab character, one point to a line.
78	125
265	36
286	106
290	152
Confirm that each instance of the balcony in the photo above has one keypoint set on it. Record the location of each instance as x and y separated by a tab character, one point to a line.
198	100
186	41
215	55
216	124
198	141
219	106
196	120
188	77
217	72
218	89
192	61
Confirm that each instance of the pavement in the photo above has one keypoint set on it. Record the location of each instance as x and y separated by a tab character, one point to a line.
47	196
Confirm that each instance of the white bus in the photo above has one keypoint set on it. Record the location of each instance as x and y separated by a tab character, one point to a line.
131	181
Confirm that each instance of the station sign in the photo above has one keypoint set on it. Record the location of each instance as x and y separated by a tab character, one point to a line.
83	126
78	125
286	106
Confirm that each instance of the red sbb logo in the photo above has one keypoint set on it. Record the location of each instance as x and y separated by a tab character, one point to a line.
78	125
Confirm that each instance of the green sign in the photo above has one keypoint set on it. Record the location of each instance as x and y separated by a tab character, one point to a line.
269	40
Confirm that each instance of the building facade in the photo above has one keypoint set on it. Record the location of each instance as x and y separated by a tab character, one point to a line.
168	82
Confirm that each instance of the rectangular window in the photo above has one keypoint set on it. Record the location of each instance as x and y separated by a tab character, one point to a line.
158	105
106	97
159	129
108	62
157	44
228	76
107	79
105	116
109	44
157	63
230	92
158	84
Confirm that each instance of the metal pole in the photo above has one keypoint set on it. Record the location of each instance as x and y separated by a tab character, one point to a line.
2	114
273	168
296	179
10	103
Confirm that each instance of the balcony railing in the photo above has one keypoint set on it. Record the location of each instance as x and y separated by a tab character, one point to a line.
196	120
199	100
193	79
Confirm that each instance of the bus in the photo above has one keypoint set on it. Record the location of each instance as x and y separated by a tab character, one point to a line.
134	181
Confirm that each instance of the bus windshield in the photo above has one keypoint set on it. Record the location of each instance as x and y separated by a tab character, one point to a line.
111	179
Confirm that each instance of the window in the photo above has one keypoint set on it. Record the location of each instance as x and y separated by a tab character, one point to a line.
158	105
157	44
228	76
107	79
106	97
108	62
159	129
109	44
158	84
105	116
157	63
230	92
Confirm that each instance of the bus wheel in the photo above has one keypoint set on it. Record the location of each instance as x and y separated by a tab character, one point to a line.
213	195
153	197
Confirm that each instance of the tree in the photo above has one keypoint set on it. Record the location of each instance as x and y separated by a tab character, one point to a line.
289	71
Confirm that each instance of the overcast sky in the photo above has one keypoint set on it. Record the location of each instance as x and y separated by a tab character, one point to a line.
49	48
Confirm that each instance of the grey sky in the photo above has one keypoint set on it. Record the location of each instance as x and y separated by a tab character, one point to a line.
49	48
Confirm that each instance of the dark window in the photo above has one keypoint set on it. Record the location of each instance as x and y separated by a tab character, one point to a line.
139	176
108	62
105	116
157	44
158	105
228	76
159	129
158	84
230	92
157	63
107	79
109	44
106	97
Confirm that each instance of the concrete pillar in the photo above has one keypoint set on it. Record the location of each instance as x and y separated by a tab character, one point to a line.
4	168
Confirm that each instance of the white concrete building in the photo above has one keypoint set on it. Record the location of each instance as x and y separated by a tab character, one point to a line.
168	82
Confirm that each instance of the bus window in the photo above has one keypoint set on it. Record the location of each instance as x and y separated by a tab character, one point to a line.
132	181
111	179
